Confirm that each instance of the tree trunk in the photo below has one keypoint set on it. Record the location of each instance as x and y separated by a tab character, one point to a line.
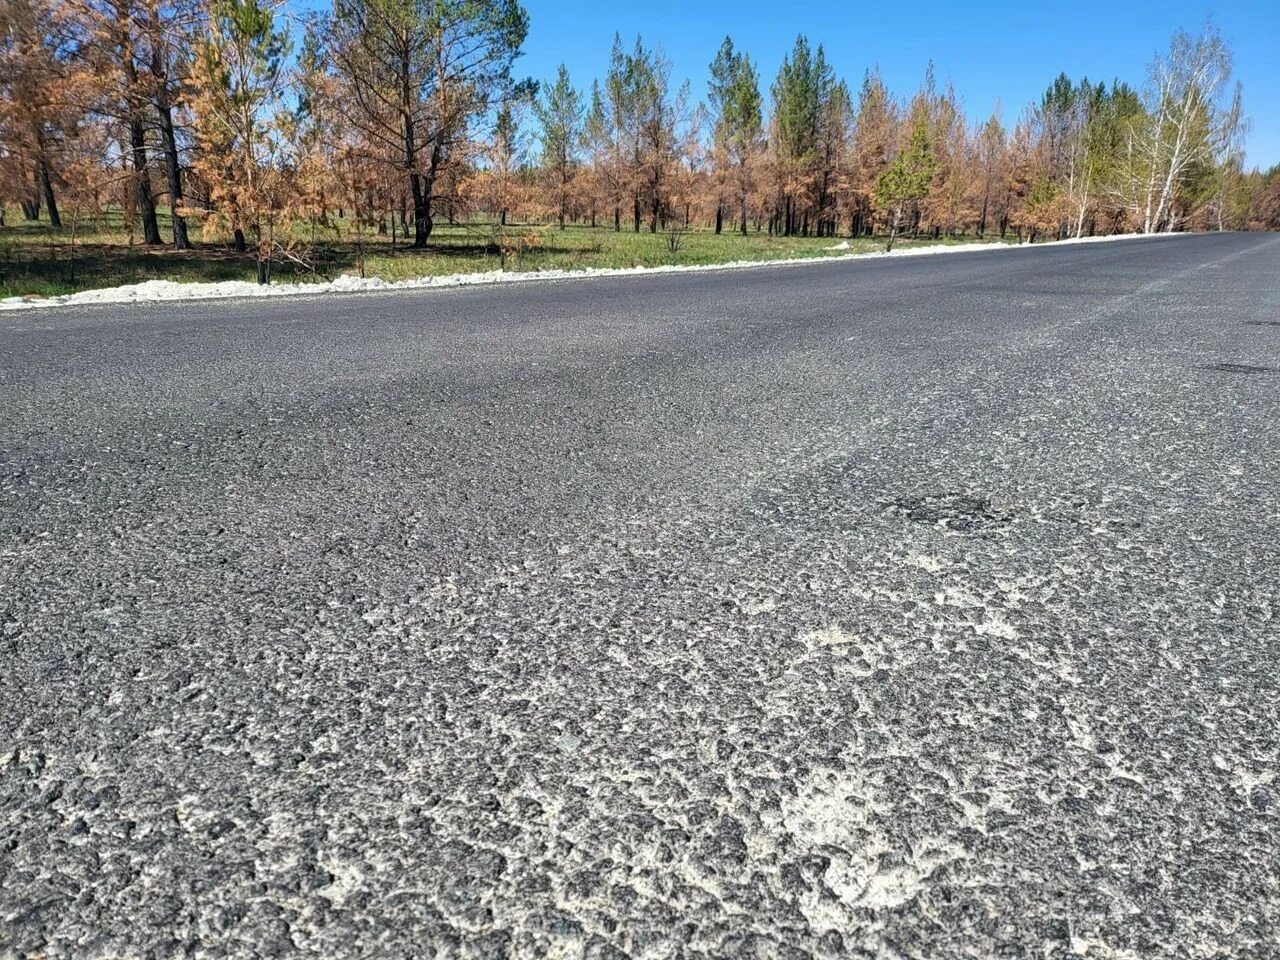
237	240
146	203
173	173
422	222
719	218
169	145
564	193
46	185
420	184
31	206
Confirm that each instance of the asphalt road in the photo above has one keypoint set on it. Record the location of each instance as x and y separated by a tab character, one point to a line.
917	608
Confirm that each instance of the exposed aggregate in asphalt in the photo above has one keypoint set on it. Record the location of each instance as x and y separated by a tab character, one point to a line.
910	609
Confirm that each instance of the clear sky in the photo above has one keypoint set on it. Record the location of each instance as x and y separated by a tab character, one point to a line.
994	51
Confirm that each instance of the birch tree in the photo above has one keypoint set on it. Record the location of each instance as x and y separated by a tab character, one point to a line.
1189	121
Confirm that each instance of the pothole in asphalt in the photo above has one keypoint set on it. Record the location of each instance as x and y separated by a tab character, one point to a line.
961	512
1237	368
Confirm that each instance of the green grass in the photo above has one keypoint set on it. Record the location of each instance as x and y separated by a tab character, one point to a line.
36	260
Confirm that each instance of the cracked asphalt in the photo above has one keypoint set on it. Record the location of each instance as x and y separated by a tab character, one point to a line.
915	608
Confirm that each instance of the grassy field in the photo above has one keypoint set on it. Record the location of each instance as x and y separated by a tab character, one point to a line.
36	260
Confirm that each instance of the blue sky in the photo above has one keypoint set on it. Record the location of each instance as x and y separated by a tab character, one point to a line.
992	52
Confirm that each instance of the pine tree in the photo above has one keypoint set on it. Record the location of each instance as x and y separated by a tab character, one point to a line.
559	114
314	133
116	45
597	139
506	157
796	110
737	128
168	28
807	102
239	72
648	113
43	86
623	133
991	163
417	73
834	173
875	133
906	182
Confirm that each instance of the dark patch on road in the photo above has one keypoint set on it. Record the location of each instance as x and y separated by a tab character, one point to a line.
961	512
1262	323
1237	368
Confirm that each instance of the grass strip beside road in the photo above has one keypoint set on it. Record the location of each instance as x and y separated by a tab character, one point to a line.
38	261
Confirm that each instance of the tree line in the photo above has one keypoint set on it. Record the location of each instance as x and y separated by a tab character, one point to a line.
386	115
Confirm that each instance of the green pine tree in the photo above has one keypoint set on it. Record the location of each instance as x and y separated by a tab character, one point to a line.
738	131
559	113
901	187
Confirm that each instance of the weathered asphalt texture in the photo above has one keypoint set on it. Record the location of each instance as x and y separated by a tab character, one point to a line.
918	608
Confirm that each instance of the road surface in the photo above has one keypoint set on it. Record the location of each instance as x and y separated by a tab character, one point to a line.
922	608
